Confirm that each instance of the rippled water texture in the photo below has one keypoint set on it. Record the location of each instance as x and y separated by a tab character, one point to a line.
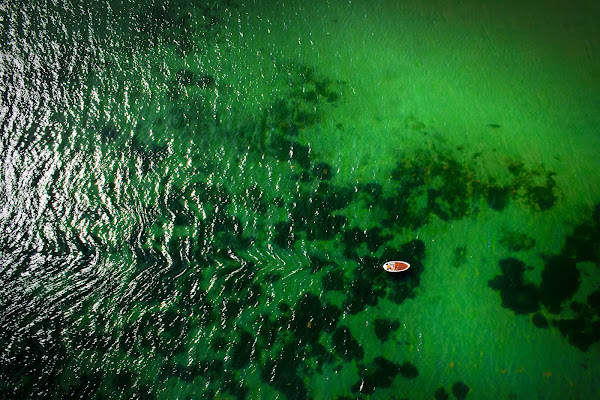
197	198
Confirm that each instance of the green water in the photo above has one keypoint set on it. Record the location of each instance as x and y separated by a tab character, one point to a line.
196	200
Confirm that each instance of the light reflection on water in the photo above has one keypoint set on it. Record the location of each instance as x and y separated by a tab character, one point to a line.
171	225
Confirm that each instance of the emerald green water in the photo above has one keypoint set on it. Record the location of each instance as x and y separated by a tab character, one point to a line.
196	200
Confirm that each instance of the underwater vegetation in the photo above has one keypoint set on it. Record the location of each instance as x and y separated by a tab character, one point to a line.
441	394
177	23
460	390
452	190
460	256
516	241
379	374
384	327
561	279
518	295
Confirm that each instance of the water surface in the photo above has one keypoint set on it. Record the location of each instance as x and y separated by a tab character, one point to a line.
196	200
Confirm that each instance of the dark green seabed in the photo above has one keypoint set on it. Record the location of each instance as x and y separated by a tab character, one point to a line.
190	209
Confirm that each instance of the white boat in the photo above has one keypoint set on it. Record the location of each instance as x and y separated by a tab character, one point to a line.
396	266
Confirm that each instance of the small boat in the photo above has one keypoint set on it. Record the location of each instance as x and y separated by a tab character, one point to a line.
396	266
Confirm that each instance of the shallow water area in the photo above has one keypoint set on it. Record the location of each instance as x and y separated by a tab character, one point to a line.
197	200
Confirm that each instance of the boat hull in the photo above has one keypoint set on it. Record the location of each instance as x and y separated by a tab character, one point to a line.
396	266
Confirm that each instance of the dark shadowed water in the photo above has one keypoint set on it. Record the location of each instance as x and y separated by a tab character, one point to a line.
196	199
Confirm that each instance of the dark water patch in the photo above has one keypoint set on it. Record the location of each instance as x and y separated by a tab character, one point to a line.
300	155
408	370
164	334
402	286
109	133
378	374
441	394
317	263
442	184
539	320
373	238
123	379
219	343
37	360
313	212
353	237
302	176
243	287
535	188
384	328
311	316
560	280
272	277
267	334
452	190
543	197
460	390
195	114
302	106
323	171
299	330
367	287
582	244
345	346
498	197
230	311
460	256
243	350
371	192
282	374
186	373
196	300
185	77
284	236
149	153
369	284
284	149
593	301
320	356
516	241
580	331
235	388
334	280
178	24
413	123
212	370
583	329
255	198
402	289
315	89
517	295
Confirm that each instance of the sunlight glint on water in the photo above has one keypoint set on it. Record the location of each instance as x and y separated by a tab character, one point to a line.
196	201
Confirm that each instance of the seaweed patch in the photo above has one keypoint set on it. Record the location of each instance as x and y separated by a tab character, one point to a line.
560	283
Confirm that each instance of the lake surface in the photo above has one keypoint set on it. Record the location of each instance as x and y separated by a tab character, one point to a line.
196	200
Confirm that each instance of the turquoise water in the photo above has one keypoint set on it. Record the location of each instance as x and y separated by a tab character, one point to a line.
196	200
